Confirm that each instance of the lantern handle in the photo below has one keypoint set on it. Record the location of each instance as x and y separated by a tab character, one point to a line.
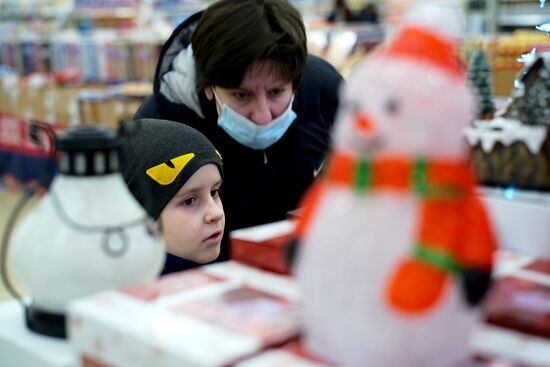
29	191
27	194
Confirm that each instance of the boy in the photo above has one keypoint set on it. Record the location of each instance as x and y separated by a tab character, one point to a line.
175	173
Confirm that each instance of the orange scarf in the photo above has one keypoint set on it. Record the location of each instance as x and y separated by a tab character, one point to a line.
453	232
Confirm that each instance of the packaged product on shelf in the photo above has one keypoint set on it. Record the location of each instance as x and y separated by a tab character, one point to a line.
6	53
128	97
66	53
143	53
90	71
94	106
116	62
30	56
144	56
35	6
343	46
104	4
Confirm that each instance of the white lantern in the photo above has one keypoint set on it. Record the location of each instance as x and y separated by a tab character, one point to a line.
87	234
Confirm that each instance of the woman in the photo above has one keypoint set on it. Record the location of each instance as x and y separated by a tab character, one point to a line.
239	73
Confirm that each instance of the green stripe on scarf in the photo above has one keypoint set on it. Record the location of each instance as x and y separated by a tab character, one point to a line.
424	189
419	181
436	258
362	175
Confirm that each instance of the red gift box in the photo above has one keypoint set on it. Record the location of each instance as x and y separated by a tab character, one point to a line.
516	322
263	246
521	301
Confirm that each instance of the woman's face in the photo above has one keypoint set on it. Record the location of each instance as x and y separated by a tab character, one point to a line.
261	97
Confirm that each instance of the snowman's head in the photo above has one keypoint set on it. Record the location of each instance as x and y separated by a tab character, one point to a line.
409	99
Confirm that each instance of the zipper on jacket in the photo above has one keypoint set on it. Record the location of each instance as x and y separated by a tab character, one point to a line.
265	157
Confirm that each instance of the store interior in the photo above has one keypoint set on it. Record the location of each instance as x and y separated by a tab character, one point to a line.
69	63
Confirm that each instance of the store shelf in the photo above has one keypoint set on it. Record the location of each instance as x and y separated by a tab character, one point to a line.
520	13
523	20
33	14
115	13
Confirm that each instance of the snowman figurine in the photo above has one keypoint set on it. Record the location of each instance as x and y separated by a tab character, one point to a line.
395	249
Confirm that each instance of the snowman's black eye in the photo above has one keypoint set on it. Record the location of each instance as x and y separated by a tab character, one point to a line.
392	106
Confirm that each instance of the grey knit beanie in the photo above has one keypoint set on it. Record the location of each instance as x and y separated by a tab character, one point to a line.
157	157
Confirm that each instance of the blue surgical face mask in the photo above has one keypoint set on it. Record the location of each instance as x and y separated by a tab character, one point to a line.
250	134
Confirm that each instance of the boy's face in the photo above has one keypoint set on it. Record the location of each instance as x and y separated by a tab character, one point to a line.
193	221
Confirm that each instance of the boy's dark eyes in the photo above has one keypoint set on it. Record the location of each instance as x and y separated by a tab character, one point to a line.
193	200
189	201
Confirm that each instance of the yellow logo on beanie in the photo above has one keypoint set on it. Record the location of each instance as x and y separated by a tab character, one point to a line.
165	173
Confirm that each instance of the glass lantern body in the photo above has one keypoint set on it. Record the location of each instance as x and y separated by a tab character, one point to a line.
86	235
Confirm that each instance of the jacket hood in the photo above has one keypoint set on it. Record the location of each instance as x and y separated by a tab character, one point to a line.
175	76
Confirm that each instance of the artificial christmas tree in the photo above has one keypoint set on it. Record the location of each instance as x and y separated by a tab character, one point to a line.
479	75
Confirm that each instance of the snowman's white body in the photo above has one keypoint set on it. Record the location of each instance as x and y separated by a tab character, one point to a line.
355	240
346	316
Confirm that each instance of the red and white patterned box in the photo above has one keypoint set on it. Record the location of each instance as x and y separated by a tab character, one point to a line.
211	316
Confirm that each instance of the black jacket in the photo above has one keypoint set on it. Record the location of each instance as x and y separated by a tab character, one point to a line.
259	186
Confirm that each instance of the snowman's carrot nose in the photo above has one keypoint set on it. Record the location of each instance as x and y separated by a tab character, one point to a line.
363	123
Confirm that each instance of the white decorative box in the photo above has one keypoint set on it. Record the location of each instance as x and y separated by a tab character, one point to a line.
211	316
521	219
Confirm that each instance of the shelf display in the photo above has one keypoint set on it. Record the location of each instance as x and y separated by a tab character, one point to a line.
513	150
509	48
34	8
343	46
105	56
521	13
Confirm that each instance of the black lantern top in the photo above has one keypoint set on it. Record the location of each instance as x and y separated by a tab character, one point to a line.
87	151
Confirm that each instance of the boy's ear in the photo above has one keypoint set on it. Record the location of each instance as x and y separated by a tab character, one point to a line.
208	93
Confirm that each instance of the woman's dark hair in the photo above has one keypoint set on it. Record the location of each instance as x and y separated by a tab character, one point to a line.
234	34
